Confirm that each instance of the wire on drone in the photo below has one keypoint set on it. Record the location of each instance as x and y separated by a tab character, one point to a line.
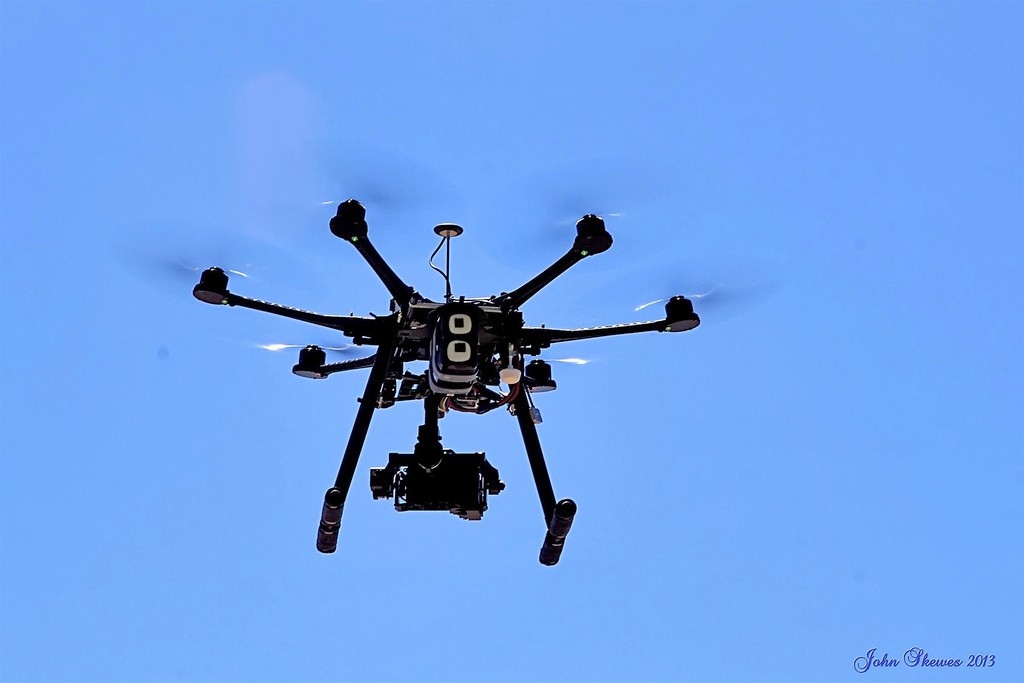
453	402
444	273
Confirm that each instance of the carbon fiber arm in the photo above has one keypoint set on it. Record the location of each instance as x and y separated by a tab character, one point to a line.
354	364
543	337
350	225
679	317
365	330
591	239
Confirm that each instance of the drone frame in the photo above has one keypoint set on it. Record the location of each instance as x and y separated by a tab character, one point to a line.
404	335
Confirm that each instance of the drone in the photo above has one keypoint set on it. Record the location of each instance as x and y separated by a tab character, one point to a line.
471	346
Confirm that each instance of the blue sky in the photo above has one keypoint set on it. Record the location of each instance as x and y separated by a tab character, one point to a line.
831	463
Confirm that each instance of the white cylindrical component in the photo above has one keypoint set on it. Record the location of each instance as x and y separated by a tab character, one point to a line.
510	375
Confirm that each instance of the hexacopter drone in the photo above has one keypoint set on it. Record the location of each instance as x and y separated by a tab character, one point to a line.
471	347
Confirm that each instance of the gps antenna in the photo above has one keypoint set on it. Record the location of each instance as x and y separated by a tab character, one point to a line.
446	231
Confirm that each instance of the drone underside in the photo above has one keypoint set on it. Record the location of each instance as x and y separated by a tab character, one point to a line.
472	347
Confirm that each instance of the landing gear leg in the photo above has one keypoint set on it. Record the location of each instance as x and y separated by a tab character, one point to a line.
558	516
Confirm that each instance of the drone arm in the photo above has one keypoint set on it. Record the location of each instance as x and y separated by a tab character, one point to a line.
542	337
354	364
518	297
350	225
370	330
591	238
400	292
557	515
334	499
679	317
213	289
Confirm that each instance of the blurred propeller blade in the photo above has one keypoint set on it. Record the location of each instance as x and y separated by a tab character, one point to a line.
705	297
174	255
650	303
170	257
714	298
347	350
294	173
189	272
550	201
388	183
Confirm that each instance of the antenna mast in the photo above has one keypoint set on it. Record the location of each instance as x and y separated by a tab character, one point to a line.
446	231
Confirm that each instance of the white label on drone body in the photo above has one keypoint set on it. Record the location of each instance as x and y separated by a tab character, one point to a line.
460	323
459	352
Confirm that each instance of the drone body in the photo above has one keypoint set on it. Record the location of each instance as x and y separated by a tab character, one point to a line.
471	347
